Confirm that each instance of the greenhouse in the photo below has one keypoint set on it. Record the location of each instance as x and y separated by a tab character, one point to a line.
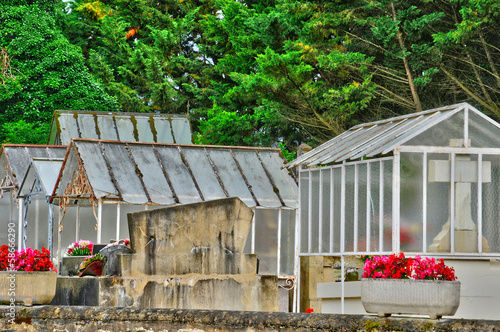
403	184
101	181
15	161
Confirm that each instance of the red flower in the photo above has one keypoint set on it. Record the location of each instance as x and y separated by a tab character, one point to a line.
309	310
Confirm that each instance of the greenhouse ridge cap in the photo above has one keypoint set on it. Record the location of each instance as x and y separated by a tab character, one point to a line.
179	145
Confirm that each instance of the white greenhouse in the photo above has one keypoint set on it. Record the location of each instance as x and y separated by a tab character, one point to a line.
426	183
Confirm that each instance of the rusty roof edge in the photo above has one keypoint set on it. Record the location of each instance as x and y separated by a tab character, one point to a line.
179	145
59	176
122	113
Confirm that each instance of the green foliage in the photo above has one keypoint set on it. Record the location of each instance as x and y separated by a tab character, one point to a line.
48	73
289	156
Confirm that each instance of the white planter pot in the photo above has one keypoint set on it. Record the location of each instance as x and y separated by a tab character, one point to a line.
27	287
435	298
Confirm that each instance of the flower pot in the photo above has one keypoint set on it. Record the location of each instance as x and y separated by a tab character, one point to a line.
33	287
93	269
71	265
435	298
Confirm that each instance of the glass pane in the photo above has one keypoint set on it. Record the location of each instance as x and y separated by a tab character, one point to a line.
182	131
8	209
349	209
284	182
87	126
438	226
287	242
230	175
266	237
374	198
490	207
257	178
314	221
125	173
204	173
143	124
106	127
152	174
482	133
97	171
337	192
325	210
441	133
411	209
179	175
304	211
48	172
163	130
361	208
388	205
68	234
126	129
37	217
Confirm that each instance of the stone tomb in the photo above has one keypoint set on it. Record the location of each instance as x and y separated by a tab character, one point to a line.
188	257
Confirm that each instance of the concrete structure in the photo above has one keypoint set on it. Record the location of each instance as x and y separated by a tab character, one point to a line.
90	319
188	257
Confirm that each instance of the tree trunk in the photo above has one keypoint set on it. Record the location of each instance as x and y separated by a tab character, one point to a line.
413	88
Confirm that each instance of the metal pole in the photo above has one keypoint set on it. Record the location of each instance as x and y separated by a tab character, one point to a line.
395	202
20	220
342	234
480	203
99	221
452	203
424	202
356	205
77	235
118	221
278	253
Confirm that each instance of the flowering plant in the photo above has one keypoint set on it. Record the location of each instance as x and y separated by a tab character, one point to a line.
80	248
91	259
397	266
25	260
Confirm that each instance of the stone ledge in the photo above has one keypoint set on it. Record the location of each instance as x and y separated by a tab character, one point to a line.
48	318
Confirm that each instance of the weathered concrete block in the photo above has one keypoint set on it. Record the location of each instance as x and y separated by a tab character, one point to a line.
77	291
204	238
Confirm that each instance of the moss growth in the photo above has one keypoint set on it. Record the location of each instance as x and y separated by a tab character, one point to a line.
371	326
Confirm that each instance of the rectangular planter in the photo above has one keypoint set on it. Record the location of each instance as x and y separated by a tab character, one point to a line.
27	287
435	298
71	265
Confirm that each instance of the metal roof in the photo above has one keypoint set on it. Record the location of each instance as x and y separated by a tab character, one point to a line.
373	139
120	126
15	160
44	172
164	174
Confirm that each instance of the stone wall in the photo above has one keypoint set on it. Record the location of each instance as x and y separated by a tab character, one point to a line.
85	319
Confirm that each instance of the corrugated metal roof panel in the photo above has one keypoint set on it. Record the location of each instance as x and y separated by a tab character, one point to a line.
375	138
151	170
170	173
96	169
18	158
130	127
